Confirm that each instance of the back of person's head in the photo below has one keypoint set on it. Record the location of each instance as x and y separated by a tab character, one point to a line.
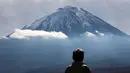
78	55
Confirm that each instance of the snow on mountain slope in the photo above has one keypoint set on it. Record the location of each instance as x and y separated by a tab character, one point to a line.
74	21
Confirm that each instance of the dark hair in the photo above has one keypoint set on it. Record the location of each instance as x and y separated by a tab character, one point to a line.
78	55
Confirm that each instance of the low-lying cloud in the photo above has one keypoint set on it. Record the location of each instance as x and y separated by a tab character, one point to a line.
26	34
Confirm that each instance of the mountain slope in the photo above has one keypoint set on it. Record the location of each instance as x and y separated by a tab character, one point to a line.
73	22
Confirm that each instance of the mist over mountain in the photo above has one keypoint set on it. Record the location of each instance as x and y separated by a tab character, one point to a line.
74	21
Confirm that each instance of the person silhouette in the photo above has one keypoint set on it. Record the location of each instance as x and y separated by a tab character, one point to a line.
78	66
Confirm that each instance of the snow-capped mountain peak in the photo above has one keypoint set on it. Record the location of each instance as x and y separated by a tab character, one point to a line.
74	21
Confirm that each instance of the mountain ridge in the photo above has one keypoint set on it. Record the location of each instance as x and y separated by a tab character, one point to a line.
74	21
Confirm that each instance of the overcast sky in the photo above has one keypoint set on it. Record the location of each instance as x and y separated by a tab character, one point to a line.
17	13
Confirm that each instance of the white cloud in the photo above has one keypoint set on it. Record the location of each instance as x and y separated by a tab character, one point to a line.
89	34
26	34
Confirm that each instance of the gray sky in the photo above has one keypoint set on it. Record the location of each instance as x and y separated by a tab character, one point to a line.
17	13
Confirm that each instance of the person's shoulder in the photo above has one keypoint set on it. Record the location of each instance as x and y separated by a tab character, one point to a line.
86	68
68	69
84	65
69	66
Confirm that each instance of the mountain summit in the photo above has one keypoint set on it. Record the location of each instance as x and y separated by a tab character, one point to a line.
74	21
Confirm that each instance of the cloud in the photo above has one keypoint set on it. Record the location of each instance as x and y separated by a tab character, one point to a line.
26	34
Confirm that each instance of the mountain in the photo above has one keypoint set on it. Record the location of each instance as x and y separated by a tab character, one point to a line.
74	21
